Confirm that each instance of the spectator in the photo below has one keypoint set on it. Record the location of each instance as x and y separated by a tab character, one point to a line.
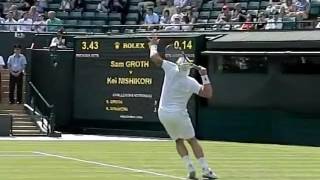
16	14
40	24
151	17
247	25
176	21
165	18
104	6
237	15
186	20
182	3
27	5
179	14
117	6
274	22
58	41
302	8
33	13
54	24
288	6
2	22
189	13
41	5
66	5
145	4
11	22
261	22
225	13
16	65
222	23
25	23
79	5
172	9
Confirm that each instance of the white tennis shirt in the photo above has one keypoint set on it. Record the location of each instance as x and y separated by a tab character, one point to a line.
176	89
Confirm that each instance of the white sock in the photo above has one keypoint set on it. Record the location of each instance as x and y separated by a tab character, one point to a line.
203	163
188	163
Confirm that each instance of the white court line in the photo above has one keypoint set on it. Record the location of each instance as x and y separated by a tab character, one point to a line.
109	165
21	155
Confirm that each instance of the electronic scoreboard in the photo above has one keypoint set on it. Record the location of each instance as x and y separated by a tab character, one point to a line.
115	79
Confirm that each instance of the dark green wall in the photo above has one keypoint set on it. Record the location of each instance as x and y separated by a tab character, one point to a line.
55	83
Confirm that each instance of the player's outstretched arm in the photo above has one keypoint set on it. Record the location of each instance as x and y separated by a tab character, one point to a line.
206	90
154	55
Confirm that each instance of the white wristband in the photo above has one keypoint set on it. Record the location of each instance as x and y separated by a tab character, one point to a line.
153	50
205	79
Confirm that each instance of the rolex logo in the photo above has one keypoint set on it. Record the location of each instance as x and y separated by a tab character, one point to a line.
117	45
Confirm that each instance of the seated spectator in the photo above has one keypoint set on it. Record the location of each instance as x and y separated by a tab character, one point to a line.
2	22
54	24
225	13
25	23
165	18
27	5
41	5
104	6
117	6
16	13
40	24
170	7
151	17
237	15
66	5
11	22
247	25
34	15
179	13
261	22
175	21
186	20
145	4
58	41
188	11
222	23
301	9
274	22
79	5
288	6
182	3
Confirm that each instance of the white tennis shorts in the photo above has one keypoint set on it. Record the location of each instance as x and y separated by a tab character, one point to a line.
177	124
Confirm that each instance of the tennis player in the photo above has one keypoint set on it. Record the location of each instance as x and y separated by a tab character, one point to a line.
177	89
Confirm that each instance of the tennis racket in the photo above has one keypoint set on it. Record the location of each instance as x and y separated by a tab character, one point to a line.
172	53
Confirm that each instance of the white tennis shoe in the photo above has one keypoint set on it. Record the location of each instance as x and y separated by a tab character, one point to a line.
209	174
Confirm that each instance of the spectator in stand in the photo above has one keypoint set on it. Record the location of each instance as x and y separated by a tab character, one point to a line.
117	6
261	22
225	13
54	24
145	4
16	65
175	21
58	41
302	8
247	25
237	15
34	15
165	18
170	7
16	13
25	23
2	64
27	5
41	5
288	6
79	5
40	24
182	3
179	14
274	22
11	22
188	11
222	23
66	5
151	18
187	27
104	6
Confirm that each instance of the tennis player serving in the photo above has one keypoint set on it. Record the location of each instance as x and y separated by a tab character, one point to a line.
177	89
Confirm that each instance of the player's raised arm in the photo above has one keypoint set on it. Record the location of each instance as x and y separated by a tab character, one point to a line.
154	55
206	90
